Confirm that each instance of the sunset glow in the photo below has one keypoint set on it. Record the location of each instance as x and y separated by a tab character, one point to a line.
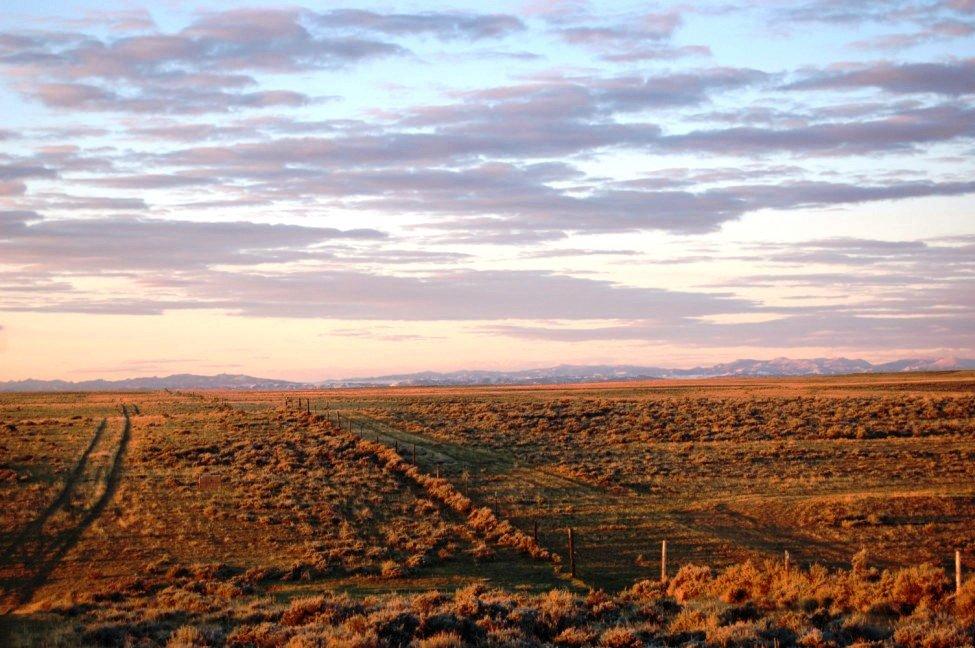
307	193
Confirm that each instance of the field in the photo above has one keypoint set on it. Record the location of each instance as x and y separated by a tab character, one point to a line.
439	516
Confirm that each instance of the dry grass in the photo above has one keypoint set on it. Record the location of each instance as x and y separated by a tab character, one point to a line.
725	470
743	605
240	521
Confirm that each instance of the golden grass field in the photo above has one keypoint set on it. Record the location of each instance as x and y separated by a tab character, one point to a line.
407	516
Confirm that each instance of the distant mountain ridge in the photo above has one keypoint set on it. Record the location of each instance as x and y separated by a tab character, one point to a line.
594	373
175	381
559	374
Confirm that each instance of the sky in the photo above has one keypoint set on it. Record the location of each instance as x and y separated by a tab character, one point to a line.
351	189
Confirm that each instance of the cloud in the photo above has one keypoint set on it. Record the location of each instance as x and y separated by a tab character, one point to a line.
205	66
633	38
898	132
14	221
939	31
12	177
578	252
176	264
588	96
442	25
883	294
577	144
182	264
830	328
652	52
650	26
59	201
876	262
461	295
121	20
92	246
840	12
158	101
546	118
18	172
151	181
925	20
953	78
521	203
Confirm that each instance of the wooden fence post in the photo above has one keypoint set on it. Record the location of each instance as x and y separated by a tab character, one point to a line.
786	561
572	554
663	561
535	530
957	572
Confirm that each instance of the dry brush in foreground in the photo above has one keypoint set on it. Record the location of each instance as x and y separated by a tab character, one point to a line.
747	604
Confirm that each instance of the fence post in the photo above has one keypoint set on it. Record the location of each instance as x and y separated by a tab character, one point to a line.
786	561
663	561
535	530
957	572
572	554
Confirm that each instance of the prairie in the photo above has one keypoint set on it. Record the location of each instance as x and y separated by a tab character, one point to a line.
440	516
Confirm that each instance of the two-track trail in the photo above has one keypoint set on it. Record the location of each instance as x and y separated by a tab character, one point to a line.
30	531
36	551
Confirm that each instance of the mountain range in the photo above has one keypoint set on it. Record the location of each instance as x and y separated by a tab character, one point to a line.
558	374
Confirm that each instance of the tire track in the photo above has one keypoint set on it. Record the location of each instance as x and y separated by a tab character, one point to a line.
50	551
63	497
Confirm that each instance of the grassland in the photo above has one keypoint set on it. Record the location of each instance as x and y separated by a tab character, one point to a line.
240	518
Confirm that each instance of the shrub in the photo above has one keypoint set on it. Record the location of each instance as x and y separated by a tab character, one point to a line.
620	637
575	636
814	639
646	591
965	602
928	631
741	633
263	635
467	601
441	640
312	608
918	586
743	582
189	637
689	622
689	582
391	569
558	609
